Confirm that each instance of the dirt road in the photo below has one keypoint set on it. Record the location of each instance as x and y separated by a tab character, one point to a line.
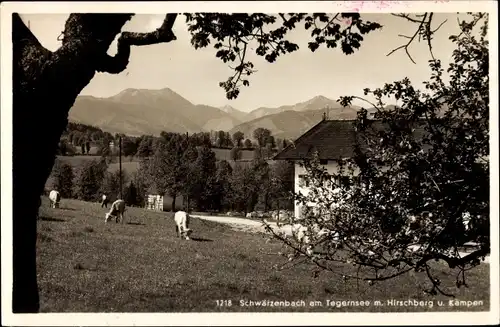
245	224
249	225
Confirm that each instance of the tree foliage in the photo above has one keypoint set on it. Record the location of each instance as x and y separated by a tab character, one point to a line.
417	188
63	176
262	136
244	188
202	176
111	184
232	35
222	185
238	138
248	144
131	195
89	179
145	146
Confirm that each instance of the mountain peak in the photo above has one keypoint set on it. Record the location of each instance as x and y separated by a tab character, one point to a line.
238	114
228	108
321	97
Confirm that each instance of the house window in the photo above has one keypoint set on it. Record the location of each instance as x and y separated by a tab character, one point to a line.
323	161
303	181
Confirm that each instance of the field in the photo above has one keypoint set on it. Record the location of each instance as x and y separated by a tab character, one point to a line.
140	266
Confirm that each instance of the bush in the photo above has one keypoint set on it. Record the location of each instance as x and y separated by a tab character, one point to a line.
111	184
63	178
131	195
89	180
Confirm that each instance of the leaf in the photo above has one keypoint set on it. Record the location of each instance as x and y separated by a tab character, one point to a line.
313	46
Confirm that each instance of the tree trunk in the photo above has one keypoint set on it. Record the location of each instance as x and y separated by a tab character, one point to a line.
266	201
45	86
174	197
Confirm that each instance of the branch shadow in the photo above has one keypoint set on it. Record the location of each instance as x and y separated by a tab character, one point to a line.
51	219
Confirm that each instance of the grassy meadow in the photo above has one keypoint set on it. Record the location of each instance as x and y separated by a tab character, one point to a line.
85	265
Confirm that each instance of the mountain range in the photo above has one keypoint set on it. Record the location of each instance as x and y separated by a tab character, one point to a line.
140	111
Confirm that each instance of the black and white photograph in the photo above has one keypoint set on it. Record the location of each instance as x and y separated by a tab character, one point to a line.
228	160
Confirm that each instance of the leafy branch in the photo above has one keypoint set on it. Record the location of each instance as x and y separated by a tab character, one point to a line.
416	188
234	34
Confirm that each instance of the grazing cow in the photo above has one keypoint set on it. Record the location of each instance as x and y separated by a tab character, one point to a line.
104	201
182	224
117	210
55	198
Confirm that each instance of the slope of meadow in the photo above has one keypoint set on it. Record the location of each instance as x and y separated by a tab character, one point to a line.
85	265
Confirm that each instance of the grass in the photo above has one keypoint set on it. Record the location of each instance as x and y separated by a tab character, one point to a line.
85	265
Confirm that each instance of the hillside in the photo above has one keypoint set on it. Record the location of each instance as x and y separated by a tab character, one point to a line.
238	114
292	124
136	112
316	103
130	119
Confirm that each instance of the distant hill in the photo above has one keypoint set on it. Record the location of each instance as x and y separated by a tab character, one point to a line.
291	124
130	119
316	103
136	112
139	111
238	114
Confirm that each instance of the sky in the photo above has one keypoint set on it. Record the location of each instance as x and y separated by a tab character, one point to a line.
295	77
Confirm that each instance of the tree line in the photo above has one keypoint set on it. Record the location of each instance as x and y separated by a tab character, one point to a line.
83	137
181	166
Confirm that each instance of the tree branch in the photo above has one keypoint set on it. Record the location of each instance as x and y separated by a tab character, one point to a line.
423	30
454	262
435	283
118	63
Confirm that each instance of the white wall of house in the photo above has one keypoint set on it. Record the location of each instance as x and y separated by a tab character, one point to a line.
331	166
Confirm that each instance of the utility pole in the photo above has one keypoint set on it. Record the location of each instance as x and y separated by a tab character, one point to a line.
187	193
120	160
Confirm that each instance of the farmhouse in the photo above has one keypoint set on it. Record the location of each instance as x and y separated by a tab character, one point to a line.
332	140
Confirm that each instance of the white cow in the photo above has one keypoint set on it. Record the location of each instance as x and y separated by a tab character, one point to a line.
182	224
117	210
55	198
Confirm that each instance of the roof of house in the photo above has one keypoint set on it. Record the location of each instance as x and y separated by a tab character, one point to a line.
333	139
